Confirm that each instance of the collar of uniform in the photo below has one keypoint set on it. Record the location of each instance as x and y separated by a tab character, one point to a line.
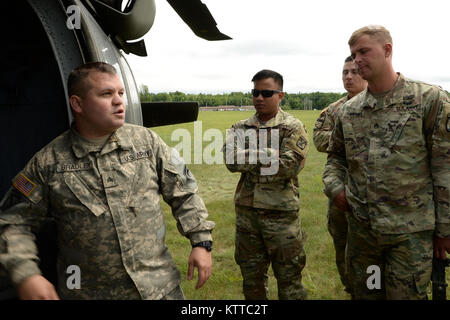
78	146
275	121
341	101
118	138
393	96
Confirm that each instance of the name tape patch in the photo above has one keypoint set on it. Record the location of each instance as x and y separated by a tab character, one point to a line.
136	156
63	167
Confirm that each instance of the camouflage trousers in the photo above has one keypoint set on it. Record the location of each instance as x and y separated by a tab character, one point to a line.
175	294
401	261
337	227
270	236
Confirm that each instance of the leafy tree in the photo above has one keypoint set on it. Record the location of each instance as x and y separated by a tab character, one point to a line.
296	101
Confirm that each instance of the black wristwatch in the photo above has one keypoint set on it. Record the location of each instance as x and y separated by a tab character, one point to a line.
205	244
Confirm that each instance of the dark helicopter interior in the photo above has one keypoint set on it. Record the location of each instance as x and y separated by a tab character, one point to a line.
32	105
32	101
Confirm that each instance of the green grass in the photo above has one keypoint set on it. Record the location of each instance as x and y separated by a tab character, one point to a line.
216	187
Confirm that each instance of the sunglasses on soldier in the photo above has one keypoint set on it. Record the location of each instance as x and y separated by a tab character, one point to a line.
265	93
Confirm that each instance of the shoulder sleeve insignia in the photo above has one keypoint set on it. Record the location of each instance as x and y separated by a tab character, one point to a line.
321	120
448	123
301	143
24	185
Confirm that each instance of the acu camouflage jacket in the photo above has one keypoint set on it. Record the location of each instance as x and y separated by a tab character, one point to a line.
106	206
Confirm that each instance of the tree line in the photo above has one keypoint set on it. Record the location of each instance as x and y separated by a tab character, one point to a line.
294	101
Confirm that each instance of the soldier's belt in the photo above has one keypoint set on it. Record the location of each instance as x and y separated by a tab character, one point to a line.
267	179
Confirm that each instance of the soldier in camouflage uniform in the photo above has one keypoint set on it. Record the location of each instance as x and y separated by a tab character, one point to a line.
337	223
389	164
101	182
267	199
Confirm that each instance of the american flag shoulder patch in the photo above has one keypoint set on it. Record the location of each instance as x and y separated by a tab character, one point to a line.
24	185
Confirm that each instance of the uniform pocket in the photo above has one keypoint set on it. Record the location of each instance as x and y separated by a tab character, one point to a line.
355	141
181	175
275	196
189	221
403	165
292	252
399	129
84	194
143	193
405	137
173	175
404	286
421	281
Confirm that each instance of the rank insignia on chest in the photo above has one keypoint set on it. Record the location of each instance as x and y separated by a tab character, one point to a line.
301	143
24	185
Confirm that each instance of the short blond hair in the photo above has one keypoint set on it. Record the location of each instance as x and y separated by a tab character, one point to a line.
374	31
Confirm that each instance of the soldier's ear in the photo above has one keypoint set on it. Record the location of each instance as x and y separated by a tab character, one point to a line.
388	50
75	103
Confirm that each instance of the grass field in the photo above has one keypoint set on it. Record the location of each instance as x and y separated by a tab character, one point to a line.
216	187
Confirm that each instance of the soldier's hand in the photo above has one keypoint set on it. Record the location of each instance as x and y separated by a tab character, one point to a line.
200	258
441	245
341	201
37	287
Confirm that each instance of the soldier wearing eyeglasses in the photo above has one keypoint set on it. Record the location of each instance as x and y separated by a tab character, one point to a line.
267	199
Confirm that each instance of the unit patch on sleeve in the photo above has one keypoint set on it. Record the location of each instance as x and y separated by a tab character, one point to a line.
24	185
301	143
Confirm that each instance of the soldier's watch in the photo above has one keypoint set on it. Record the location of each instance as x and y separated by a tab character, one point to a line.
205	244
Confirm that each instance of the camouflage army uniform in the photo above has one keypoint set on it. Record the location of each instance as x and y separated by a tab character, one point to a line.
337	223
325	124
397	190
106	205
267	210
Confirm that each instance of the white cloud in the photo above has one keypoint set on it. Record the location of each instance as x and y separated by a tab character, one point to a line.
306	41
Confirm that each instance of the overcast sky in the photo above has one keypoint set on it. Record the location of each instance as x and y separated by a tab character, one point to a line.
305	41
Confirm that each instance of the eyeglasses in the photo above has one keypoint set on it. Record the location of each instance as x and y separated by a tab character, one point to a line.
265	93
